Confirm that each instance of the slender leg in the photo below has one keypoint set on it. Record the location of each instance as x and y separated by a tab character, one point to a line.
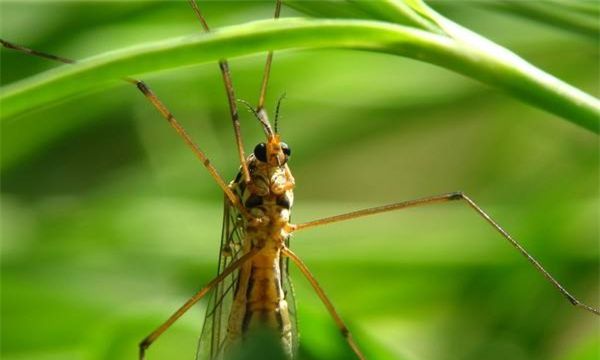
261	113
164	111
336	317
44	55
442	199
148	340
235	118
265	81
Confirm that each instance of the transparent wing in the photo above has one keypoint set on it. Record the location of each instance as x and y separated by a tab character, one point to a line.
288	290
214	330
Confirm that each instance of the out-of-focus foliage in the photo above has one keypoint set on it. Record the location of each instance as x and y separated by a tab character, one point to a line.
109	223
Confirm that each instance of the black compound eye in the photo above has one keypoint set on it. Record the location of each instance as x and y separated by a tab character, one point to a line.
286	149
260	151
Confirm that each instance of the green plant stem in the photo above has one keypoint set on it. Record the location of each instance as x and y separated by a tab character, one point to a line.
498	68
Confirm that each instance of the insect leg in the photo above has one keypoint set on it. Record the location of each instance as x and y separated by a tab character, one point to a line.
233	110
442	199
32	52
336	317
148	340
267	72
164	111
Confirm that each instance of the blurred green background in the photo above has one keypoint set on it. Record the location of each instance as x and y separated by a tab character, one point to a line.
109	223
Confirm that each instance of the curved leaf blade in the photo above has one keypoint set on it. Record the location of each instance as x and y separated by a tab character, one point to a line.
500	69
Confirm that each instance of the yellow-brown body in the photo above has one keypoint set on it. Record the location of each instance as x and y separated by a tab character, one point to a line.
259	299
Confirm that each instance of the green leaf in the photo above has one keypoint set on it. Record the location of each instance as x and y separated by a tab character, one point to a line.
572	16
489	63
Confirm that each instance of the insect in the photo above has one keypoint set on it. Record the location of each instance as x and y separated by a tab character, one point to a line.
265	180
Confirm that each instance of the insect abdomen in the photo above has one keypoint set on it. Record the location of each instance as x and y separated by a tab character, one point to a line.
260	302
264	295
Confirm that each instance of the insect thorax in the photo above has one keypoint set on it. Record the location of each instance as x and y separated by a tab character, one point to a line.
269	197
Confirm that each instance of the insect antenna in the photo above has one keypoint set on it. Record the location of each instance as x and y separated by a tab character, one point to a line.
264	122
277	111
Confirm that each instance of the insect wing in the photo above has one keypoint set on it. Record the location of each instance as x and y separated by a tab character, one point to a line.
288	290
214	330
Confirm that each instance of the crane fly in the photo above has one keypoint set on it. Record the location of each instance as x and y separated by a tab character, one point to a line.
252	290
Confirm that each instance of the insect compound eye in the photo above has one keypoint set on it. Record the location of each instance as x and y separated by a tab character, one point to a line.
286	149
260	151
